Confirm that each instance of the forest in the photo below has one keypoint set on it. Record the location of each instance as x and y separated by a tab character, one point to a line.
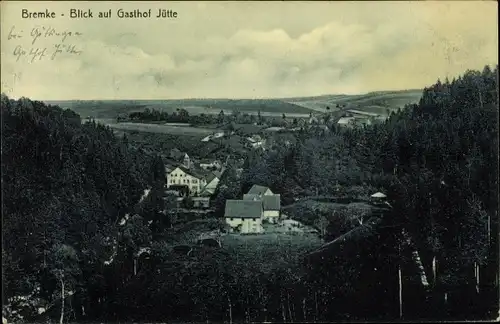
183	116
67	185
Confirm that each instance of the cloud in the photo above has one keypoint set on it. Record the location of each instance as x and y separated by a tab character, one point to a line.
243	50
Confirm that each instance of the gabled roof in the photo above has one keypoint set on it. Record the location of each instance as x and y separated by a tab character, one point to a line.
258	190
272	202
210	177
251	197
197	173
218	174
345	120
243	208
378	195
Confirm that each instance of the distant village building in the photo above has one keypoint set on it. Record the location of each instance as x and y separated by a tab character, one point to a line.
210	165
244	216
207	138
272	207
260	190
186	162
201	202
346	121
212	181
378	197
271	204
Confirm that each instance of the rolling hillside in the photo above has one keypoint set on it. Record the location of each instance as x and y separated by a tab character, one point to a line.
378	102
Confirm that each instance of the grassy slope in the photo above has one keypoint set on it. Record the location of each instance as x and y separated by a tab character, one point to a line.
377	102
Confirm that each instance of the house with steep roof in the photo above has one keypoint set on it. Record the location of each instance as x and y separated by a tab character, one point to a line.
212	183
194	179
260	190
244	216
346	121
271	205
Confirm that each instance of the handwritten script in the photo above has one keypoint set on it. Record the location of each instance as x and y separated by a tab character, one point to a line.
43	42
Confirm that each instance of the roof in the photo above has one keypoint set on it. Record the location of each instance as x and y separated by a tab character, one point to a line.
251	197
345	120
210	177
197	173
378	195
243	208
272	202
218	174
208	161
258	190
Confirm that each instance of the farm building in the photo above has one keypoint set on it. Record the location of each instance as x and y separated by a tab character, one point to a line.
271	205
244	216
346	121
260	190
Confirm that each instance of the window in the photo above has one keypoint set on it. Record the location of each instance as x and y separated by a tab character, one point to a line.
232	219
195	181
254	219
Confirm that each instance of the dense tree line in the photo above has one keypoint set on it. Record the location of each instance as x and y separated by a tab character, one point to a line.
438	162
183	116
65	187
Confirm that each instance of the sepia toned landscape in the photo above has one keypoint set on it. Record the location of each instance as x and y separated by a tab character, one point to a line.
376	200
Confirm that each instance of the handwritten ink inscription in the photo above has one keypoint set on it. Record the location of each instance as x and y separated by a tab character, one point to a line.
45	42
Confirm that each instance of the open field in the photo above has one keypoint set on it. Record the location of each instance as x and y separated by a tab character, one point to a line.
377	102
112	108
163	129
293	107
262	251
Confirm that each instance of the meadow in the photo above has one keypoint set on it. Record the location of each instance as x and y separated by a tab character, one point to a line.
292	107
376	102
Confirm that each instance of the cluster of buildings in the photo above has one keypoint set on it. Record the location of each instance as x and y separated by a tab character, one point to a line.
247	215
195	178
356	118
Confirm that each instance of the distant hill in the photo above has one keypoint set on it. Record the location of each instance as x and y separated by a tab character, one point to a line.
377	102
111	108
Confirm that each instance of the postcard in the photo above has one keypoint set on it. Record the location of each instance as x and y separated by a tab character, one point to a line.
249	161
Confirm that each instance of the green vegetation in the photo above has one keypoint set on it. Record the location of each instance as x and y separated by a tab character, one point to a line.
67	186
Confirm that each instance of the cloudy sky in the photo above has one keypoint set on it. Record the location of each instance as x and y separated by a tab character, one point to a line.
246	49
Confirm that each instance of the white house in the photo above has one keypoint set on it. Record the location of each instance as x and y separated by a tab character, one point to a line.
193	179
244	216
271	203
207	138
346	121
272	207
